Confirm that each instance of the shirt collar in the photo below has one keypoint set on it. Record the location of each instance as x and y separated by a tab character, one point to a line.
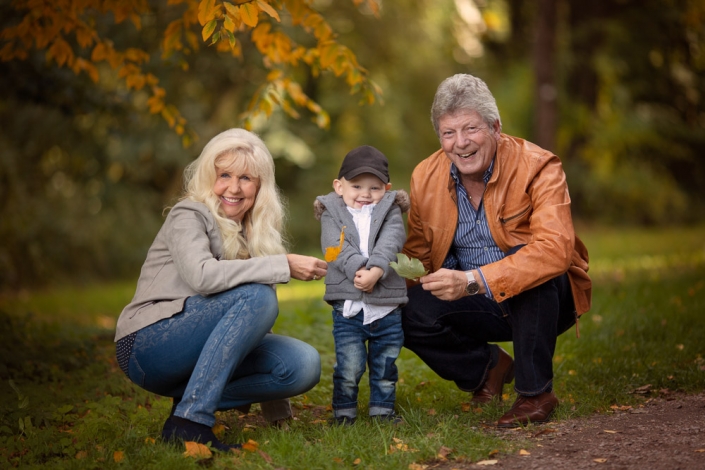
486	177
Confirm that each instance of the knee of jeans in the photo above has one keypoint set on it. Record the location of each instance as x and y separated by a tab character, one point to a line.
264	297
308	372
299	367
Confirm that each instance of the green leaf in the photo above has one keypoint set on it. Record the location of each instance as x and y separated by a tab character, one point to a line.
208	29
409	268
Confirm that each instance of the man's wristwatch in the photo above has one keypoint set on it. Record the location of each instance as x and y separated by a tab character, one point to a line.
472	287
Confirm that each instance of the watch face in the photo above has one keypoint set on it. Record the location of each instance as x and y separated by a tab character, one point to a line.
472	288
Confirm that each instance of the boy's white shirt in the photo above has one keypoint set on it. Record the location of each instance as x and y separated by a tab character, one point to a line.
363	218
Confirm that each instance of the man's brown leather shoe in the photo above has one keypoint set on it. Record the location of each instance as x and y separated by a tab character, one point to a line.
536	409
502	373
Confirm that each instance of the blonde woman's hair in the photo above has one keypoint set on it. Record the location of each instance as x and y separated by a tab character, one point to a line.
260	232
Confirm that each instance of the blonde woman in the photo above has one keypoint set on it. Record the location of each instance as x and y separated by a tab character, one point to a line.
197	327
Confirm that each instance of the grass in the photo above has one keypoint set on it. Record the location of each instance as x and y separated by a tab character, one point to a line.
65	404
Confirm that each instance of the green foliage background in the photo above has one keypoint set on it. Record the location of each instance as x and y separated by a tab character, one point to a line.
85	171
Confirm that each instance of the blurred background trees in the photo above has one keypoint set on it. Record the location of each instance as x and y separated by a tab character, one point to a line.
614	87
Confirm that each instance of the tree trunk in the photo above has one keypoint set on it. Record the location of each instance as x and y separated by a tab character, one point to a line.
546	92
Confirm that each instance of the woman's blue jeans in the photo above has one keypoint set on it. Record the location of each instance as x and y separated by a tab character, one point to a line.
452	336
377	344
217	355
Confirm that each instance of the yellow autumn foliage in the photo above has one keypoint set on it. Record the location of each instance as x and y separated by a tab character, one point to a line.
66	31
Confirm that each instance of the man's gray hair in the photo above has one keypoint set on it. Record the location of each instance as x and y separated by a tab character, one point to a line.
464	92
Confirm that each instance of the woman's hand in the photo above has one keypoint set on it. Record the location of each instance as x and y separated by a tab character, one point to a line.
306	268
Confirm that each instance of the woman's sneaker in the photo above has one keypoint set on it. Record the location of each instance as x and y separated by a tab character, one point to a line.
180	429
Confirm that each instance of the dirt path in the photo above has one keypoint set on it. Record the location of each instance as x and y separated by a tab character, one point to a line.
664	433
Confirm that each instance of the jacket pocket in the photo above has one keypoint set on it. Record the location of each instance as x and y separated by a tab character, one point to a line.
516	216
141	307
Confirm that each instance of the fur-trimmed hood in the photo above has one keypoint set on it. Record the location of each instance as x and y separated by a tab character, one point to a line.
401	199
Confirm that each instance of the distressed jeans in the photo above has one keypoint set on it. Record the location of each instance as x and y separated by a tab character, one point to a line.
217	355
377	344
452	337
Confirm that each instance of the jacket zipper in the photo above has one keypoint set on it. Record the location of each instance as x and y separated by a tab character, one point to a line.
508	219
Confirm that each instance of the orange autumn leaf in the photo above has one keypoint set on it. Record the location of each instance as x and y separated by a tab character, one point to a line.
118	456
196	449
250	446
332	252
219	430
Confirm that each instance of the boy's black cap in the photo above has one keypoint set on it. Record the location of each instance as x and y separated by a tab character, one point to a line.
365	159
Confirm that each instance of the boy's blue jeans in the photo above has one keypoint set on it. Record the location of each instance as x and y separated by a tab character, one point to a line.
217	355
377	344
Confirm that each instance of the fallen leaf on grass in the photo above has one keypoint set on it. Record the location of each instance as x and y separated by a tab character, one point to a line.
250	445
487	462
493	452
416	466
643	390
600	460
431	412
118	456
265	456
219	430
149	440
524	452
544	431
409	268
357	461
196	449
81	454
443	452
332	252
400	446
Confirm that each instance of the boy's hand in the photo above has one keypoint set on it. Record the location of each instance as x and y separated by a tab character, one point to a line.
365	279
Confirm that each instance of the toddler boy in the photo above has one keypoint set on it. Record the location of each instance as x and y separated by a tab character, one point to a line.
365	292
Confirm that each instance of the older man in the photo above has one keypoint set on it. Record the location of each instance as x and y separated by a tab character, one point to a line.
490	219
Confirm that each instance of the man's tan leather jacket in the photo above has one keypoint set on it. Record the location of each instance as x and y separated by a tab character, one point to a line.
526	202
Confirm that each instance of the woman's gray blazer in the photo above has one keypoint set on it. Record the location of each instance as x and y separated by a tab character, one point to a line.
185	260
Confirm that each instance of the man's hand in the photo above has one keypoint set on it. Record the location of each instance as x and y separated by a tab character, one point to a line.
448	284
365	279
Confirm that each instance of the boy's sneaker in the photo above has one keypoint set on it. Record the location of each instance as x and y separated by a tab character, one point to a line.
342	421
391	418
